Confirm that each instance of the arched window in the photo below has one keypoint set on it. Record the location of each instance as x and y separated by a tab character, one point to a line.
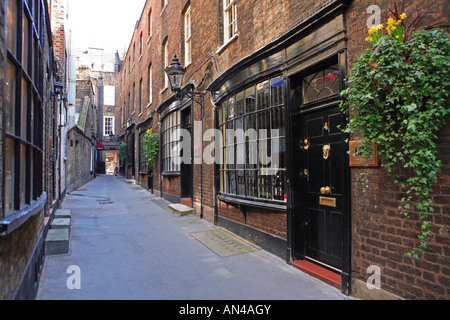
320	85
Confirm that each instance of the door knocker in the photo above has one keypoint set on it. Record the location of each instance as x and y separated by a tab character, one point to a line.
326	151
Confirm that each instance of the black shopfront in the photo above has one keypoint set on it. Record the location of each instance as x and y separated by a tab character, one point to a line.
293	85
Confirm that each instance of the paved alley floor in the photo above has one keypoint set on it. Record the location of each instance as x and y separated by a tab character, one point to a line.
125	246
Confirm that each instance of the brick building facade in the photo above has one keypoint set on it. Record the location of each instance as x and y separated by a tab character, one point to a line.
61	45
29	95
256	63
102	67
81	138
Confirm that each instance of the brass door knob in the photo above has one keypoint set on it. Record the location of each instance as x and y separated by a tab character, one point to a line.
325	190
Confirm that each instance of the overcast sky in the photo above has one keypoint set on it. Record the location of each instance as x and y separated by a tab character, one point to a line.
104	23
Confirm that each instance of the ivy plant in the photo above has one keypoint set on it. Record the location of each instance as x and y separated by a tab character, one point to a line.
123	151
151	148
397	98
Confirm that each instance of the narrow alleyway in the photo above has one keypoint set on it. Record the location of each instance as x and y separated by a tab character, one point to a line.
127	245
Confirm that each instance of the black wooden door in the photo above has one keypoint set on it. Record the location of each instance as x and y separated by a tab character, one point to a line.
186	168
323	185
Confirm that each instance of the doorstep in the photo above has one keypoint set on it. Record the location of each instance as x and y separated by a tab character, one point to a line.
181	209
319	272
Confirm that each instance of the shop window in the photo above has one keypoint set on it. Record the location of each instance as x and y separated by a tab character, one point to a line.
254	166
22	113
170	143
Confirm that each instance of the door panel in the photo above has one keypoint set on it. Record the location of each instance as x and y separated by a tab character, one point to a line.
317	221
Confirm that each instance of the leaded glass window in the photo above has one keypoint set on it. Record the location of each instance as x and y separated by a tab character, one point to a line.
320	85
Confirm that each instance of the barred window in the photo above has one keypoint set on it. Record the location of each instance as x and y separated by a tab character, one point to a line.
23	114
254	167
170	142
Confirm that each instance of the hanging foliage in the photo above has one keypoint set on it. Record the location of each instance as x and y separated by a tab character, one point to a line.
123	151
397	98
150	144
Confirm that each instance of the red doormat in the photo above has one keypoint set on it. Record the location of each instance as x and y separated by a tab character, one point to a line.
319	272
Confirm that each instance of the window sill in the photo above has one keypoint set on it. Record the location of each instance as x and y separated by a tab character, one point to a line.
17	219
252	203
149	38
149	105
225	45
164	90
171	173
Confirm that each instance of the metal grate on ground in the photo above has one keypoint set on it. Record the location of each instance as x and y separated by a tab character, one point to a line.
223	243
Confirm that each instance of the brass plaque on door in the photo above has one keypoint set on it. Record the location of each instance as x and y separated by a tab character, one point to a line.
329	202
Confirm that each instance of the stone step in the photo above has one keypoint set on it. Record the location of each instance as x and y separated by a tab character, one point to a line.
61	223
57	242
62	213
181	209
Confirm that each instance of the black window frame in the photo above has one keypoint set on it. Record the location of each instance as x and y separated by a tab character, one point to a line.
169	142
27	62
250	116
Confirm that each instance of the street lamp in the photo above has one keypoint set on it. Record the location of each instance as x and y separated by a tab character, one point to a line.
175	72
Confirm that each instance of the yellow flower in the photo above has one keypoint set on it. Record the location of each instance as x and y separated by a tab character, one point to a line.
403	16
391	22
397	37
375	29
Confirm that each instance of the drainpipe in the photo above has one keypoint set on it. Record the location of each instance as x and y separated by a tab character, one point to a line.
201	156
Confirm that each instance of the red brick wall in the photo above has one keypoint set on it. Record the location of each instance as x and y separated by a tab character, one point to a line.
171	185
380	235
